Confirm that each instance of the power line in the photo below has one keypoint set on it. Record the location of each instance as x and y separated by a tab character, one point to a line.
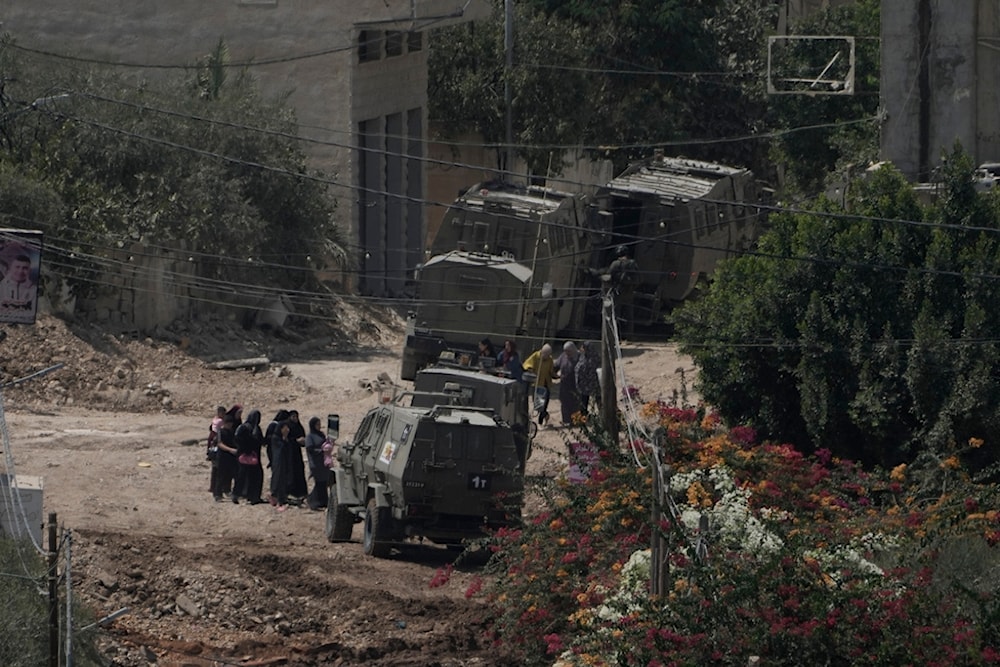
605	147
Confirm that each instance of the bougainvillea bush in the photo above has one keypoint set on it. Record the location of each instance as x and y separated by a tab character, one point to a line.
795	560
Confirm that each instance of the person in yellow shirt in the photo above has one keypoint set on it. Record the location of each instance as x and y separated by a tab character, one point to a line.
541	364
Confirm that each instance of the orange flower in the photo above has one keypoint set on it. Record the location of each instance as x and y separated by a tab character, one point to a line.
951	463
898	473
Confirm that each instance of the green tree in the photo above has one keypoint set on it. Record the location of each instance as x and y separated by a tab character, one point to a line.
605	73
204	160
837	136
867	331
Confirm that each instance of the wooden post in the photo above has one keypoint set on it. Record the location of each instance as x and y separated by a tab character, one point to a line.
69	600
656	587
53	594
609	399
659	556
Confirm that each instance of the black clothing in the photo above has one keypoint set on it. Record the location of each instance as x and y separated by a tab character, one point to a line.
318	497
624	277
297	487
249	441
228	465
279	467
281	416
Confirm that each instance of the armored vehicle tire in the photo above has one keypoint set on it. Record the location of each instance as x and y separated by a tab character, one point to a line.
339	521
376	526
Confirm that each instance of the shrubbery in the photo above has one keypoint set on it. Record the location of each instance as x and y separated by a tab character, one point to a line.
798	560
24	620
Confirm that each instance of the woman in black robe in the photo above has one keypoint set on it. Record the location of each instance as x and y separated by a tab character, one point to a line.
250	480
318	497
228	465
297	487
280	441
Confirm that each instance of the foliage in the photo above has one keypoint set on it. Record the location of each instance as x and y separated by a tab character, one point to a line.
868	331
604	73
204	162
770	553
835	139
629	76
549	105
24	630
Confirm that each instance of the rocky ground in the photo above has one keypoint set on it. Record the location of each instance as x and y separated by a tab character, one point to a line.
117	434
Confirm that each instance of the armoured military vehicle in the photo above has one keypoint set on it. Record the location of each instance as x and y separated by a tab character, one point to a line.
678	218
524	262
464	385
441	472
504	263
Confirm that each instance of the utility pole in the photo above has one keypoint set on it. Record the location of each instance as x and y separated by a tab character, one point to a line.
508	96
53	594
609	400
659	560
69	600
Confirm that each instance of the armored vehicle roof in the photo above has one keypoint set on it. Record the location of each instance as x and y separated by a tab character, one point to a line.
519	271
672	178
449	415
453	371
523	202
452	416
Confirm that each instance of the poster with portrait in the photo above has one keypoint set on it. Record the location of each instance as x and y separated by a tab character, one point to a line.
20	266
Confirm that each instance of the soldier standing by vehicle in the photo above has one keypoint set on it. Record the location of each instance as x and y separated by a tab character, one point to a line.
624	275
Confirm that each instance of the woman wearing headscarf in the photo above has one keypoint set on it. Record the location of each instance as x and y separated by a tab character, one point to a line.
297	487
569	399
279	417
587	383
250	479
228	465
318	497
280	441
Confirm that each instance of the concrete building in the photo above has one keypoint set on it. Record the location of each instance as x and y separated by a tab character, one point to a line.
355	72
940	75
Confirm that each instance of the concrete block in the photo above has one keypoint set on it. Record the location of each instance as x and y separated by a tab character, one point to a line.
27	495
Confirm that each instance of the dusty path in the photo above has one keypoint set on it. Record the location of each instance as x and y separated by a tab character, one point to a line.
216	583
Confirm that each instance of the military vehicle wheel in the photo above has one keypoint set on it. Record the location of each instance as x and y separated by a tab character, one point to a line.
339	521
376	524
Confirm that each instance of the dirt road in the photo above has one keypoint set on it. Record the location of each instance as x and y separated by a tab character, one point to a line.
213	583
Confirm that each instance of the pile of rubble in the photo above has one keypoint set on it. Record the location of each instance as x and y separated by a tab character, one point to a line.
55	364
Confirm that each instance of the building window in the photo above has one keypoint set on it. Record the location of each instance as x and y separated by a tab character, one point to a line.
393	43
369	45
414	41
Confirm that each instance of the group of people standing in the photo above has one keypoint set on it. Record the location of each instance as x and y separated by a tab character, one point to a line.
236	448
575	369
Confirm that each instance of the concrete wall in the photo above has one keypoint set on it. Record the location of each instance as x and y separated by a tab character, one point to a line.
141	288
940	70
305	49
